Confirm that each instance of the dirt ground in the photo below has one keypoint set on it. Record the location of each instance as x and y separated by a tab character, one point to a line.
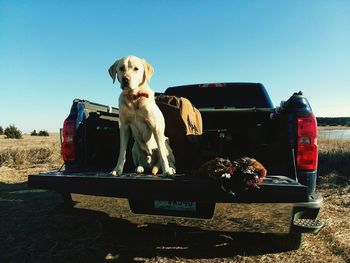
36	228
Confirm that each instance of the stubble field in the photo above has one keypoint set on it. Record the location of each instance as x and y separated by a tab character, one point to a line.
34	228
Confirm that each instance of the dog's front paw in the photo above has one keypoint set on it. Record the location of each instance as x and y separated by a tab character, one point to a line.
140	169
116	172
170	171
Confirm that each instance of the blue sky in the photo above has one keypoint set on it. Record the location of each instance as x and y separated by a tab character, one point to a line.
54	51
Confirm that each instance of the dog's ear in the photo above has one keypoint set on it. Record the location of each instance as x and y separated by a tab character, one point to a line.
148	70
113	70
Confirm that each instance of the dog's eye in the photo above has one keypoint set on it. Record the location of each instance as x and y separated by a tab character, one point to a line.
122	68
136	68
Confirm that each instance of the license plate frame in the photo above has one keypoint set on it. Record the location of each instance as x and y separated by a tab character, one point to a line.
177	208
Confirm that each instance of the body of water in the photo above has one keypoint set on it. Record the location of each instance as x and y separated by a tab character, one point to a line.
334	134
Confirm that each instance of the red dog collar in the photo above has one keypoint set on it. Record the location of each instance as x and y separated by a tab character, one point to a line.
136	96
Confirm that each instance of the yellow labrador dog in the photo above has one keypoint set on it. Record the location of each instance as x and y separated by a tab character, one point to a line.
138	110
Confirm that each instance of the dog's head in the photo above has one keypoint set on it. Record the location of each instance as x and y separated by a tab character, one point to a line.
132	72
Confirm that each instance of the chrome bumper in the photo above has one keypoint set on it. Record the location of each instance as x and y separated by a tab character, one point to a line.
234	217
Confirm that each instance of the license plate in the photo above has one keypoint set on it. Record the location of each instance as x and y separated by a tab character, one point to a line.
186	206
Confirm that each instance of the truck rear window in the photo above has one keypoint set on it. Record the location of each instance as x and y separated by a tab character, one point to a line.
224	95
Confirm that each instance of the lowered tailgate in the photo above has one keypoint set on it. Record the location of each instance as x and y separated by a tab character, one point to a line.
274	189
191	201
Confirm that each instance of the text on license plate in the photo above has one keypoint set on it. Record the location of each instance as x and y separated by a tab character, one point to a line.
175	205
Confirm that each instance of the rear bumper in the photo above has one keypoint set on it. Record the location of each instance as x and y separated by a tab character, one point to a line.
279	218
276	207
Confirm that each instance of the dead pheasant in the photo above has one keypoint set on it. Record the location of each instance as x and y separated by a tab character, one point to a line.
243	173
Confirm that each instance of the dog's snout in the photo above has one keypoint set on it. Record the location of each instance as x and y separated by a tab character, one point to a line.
125	80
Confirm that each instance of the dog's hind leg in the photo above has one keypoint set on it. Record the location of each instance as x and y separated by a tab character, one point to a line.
155	169
163	155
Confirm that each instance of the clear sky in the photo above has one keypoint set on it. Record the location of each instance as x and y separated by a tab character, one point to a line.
54	51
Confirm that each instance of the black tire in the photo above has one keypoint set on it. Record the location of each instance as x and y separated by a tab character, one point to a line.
291	241
67	201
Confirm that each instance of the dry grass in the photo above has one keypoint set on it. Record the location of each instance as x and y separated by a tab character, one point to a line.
31	150
34	229
331	128
334	162
32	154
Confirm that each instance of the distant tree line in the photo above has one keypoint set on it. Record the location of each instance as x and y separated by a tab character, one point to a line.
333	121
40	133
12	132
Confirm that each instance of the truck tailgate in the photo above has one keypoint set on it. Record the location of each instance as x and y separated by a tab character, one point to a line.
276	207
274	189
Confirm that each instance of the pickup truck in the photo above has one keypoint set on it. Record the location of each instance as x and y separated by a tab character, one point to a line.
239	120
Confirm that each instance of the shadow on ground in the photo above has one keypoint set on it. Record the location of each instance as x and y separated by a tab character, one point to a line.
34	228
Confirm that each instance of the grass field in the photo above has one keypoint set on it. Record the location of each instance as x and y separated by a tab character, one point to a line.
35	229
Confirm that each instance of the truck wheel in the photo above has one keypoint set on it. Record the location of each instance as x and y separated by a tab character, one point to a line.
67	200
291	241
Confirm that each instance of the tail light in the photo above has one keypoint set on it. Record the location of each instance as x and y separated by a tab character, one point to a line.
307	149
68	147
